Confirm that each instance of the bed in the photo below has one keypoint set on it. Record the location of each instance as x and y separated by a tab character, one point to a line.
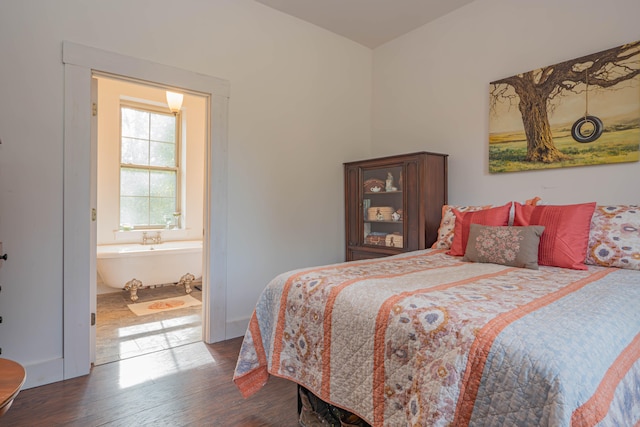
433	338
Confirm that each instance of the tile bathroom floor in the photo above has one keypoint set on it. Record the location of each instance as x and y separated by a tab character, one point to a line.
120	334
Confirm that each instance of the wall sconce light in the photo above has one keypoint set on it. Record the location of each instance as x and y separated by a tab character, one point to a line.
175	101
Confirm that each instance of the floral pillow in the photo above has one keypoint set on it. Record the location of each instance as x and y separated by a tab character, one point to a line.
614	238
512	246
448	223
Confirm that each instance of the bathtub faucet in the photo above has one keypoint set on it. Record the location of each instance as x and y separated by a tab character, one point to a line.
146	240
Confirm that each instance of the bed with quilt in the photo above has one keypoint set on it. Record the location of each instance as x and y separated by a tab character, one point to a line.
529	321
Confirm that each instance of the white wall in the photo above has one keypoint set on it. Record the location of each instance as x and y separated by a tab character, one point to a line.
431	92
299	107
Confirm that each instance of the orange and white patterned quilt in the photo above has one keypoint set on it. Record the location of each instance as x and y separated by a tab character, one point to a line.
424	339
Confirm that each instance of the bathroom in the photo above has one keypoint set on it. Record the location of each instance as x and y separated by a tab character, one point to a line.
149	219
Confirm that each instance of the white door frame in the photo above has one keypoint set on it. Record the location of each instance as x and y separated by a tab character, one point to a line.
79	63
93	231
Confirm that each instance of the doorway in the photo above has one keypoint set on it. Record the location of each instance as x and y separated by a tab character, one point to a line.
79	154
150	210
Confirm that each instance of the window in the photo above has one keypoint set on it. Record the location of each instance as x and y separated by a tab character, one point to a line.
149	167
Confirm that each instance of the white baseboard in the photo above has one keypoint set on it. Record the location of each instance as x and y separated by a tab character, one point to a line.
236	328
41	373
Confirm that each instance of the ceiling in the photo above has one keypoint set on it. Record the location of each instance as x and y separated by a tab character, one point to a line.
368	22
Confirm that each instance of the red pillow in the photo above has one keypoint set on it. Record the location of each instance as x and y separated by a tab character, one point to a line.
566	234
494	216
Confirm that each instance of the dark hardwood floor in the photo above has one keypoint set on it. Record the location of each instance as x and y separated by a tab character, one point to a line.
189	385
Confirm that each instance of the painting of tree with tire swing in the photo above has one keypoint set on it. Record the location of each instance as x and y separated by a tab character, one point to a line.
584	111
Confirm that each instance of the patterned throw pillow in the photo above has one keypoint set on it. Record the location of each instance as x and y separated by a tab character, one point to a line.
448	223
512	246
614	239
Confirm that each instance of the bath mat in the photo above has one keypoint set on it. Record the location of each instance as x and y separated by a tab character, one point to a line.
157	306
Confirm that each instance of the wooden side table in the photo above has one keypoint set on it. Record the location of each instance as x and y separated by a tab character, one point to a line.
12	376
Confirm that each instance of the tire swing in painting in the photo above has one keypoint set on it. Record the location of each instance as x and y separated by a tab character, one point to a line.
587	128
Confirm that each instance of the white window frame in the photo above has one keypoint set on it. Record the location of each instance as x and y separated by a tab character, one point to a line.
150	108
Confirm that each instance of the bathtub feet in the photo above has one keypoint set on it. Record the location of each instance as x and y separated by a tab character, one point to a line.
132	286
186	281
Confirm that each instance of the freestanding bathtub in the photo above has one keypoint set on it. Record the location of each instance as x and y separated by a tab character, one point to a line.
133	265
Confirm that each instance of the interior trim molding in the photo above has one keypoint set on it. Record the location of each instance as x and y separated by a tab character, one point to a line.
49	371
79	63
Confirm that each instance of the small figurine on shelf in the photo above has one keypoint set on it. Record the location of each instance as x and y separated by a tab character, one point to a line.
379	215
389	183
395	216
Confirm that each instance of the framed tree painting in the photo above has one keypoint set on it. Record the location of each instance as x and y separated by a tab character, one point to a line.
584	111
